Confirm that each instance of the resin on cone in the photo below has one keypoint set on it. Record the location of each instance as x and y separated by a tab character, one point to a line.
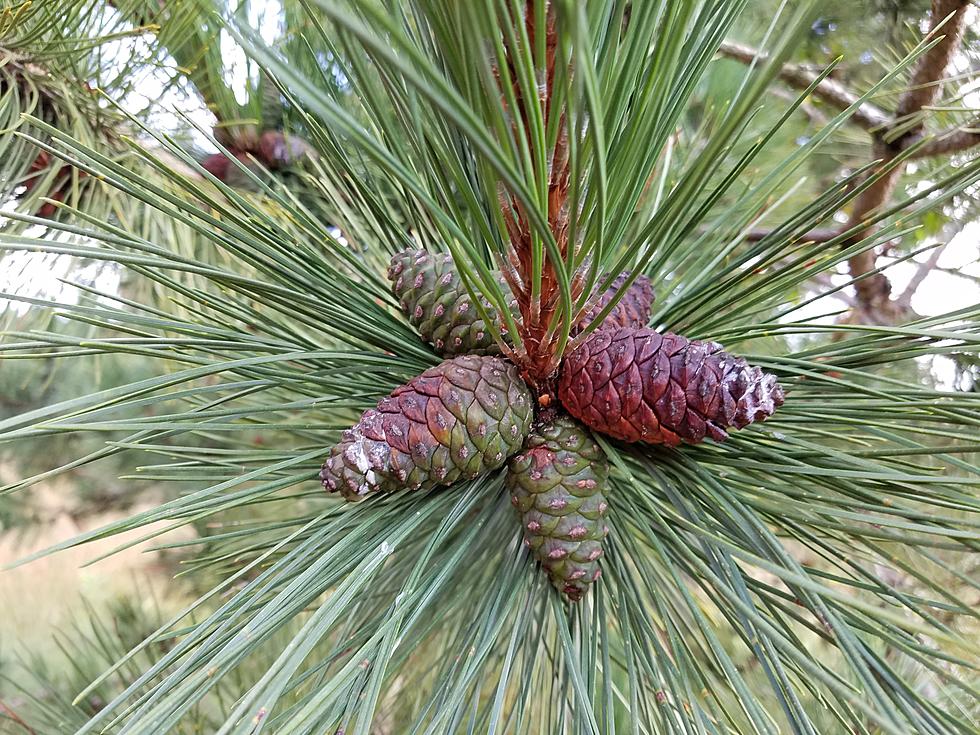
642	386
455	421
557	484
632	310
432	295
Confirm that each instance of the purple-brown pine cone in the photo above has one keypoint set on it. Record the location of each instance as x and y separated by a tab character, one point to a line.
642	386
455	421
633	310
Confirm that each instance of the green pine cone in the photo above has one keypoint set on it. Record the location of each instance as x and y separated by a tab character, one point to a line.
557	485
438	305
455	421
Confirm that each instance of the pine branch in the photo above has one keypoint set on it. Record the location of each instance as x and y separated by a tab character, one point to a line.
949	20
952	141
191	50
921	273
958	272
15	718
868	116
349	609
821	234
874	292
47	77
891	136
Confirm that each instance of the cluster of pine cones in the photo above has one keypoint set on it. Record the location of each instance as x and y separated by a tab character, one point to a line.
473	413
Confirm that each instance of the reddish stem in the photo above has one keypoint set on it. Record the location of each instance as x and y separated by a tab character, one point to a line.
537	358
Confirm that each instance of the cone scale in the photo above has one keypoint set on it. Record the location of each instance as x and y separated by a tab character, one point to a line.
432	295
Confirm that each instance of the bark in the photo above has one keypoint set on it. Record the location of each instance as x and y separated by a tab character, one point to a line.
951	141
923	89
835	94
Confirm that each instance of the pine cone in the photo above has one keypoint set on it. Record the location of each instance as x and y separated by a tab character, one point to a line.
60	188
438	305
633	310
455	421
640	385
557	484
277	149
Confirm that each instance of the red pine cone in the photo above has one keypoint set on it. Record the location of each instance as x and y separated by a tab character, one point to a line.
217	164
633	310
642	386
221	167
274	149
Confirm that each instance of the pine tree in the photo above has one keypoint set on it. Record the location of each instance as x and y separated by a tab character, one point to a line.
551	151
